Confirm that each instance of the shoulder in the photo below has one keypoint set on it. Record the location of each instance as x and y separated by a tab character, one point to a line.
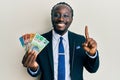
47	35
76	36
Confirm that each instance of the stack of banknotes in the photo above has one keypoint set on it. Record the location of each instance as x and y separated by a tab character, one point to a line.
33	41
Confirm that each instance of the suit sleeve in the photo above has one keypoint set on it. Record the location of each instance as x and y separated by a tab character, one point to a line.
92	64
33	73
37	72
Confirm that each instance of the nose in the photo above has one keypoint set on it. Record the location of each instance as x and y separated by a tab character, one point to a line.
61	18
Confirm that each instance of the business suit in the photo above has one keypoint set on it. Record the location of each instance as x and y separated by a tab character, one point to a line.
78	58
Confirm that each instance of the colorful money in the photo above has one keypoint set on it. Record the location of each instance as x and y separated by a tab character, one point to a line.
33	41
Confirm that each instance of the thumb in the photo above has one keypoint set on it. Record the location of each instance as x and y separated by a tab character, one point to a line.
85	47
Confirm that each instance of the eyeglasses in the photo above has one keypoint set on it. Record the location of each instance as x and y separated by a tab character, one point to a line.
57	15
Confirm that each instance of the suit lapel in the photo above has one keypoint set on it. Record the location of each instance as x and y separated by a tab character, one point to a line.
71	49
50	51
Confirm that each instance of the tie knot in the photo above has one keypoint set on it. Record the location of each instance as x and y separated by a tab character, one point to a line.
61	38
61	46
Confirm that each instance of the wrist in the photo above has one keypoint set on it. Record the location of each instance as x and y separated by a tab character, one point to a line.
92	52
34	67
91	55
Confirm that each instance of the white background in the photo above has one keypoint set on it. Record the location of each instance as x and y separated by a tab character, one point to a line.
18	17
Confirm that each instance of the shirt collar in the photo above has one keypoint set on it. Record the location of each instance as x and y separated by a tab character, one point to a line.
57	36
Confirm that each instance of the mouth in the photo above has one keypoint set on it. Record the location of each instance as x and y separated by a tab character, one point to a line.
60	27
61	24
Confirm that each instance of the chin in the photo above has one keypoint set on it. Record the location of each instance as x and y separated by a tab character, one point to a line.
61	32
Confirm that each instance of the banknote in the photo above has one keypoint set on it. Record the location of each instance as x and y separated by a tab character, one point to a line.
38	43
33	41
21	41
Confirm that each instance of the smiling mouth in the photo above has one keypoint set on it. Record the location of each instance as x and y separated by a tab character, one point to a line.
61	24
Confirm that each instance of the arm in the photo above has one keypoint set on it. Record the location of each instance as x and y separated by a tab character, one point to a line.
33	73
92	56
90	47
92	62
29	61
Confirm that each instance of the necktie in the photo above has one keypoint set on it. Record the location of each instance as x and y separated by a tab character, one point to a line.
61	61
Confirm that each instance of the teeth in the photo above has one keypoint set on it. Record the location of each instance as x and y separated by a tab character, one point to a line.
61	24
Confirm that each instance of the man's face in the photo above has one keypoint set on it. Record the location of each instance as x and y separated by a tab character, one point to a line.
61	19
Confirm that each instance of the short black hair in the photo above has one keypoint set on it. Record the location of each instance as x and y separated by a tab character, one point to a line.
61	3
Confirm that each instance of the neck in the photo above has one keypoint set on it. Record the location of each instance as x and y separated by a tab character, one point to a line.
60	32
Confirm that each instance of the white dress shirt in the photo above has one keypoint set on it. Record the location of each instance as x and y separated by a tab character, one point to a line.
55	43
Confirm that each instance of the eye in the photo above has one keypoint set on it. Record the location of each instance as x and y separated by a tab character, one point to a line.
66	16
56	15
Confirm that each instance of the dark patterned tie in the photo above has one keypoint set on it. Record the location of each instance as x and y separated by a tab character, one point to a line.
61	61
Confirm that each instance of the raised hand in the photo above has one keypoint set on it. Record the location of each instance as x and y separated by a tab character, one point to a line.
29	60
90	44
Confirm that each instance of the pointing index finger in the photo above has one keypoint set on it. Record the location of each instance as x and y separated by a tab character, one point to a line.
86	32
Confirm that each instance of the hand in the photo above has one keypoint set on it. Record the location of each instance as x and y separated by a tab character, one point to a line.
29	60
90	44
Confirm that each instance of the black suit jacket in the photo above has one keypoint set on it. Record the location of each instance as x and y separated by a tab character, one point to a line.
78	58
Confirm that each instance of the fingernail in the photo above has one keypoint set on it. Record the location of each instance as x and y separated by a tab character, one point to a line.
86	44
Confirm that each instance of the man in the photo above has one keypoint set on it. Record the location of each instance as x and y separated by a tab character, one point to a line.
78	51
